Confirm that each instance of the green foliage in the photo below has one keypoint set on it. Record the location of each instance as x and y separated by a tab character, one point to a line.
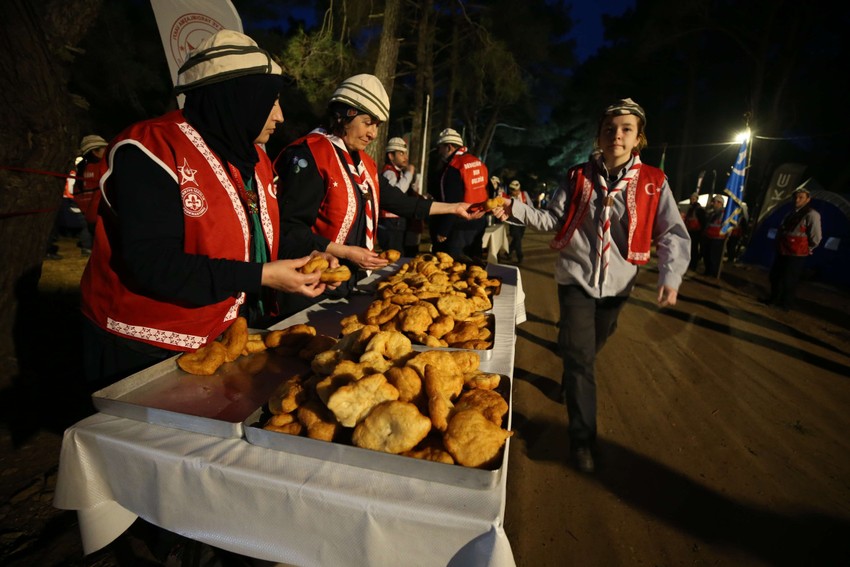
318	63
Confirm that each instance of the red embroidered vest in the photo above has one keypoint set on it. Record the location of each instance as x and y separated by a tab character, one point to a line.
87	193
473	173
215	225
339	209
641	195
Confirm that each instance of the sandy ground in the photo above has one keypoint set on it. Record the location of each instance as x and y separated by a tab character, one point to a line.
722	435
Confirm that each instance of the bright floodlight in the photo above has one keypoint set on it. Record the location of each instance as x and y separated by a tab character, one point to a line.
741	136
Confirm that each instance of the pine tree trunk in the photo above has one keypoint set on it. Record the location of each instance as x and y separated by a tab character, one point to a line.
40	132
385	68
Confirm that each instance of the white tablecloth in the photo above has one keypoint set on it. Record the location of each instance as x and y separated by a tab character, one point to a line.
495	240
279	506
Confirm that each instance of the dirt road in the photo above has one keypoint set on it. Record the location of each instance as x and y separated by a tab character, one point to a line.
723	430
723	434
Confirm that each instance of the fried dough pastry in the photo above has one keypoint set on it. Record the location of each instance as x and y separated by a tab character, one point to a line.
204	361
455	306
441	325
355	343
407	381
235	338
288	395
428	340
431	449
392	427
295	335
461	332
315	264
479	299
283	423
325	362
474	344
468	362
403	298
441	359
391	345
256	343
326	387
490	403
381	311
315	345
319	421
391	255
495	203
353	402
415	319
481	380
336	275
375	363
473	440
441	387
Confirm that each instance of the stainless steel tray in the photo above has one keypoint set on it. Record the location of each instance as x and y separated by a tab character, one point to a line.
215	405
442	473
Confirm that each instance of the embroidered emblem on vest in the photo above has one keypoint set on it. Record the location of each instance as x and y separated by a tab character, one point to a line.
194	203
187	174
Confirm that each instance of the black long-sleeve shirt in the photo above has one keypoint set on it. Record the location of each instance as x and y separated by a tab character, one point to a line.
150	232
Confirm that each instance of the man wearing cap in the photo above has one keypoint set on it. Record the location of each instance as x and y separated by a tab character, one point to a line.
188	229
516	230
463	178
607	214
329	186
399	173
713	240
798	235
89	171
695	222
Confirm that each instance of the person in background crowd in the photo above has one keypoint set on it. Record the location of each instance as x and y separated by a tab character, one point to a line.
89	171
329	191
463	178
695	222
607	214
713	241
736	235
69	221
516	230
798	235
398	173
495	187
187	234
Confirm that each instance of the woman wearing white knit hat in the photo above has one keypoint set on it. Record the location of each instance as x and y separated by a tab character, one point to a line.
330	191
188	230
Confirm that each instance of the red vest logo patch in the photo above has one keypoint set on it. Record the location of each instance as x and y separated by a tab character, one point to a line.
194	203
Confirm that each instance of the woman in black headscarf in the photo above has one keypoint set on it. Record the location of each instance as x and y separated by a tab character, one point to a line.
189	219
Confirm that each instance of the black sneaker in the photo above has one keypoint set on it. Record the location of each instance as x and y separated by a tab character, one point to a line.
583	458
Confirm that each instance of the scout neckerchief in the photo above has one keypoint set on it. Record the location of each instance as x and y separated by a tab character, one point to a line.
604	229
361	177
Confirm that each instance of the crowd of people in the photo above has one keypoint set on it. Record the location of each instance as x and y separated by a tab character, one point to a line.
195	225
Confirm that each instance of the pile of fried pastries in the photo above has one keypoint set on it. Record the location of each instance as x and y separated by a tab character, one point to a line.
372	390
236	341
434	301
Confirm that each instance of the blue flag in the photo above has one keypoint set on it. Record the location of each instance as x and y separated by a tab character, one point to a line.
735	191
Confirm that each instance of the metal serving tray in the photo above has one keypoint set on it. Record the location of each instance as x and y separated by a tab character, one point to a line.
442	473
215	405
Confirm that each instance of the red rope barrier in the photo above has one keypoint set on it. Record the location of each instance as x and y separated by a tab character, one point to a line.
39	172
